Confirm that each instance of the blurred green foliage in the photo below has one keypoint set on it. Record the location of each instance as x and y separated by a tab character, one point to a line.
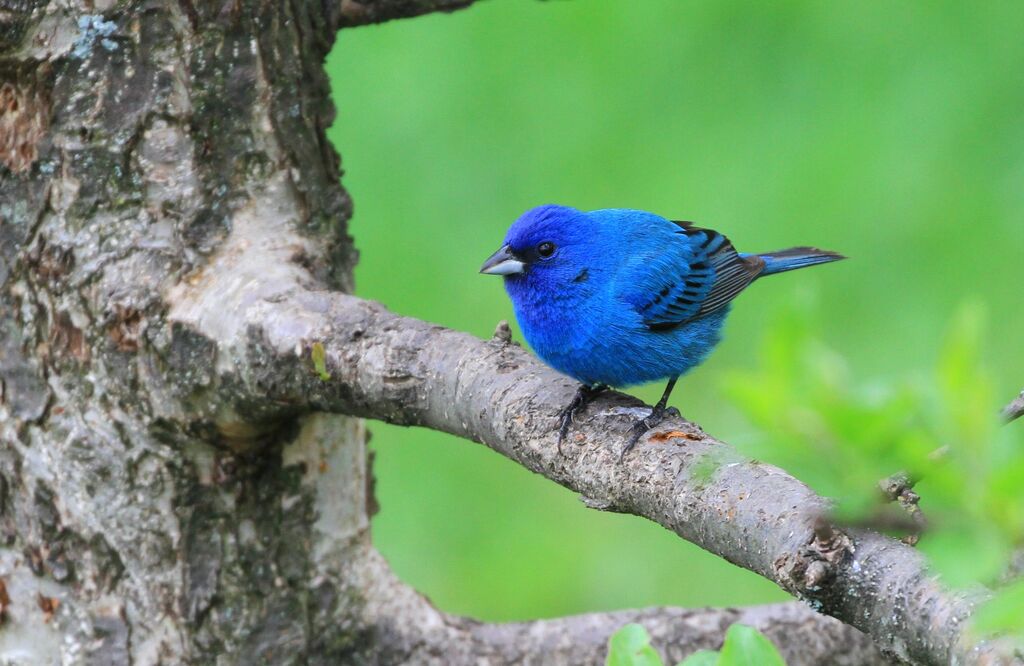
1003	614
841	438
944	430
888	131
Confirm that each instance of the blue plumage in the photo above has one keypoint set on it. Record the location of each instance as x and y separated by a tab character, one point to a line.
621	297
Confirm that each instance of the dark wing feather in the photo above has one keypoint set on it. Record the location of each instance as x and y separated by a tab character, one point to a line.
705	281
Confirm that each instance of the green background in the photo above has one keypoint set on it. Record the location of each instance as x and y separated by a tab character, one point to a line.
893	132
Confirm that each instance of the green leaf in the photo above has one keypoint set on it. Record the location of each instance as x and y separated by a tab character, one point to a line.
631	646
319	357
746	646
701	658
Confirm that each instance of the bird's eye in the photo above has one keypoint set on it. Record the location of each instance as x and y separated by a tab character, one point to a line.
546	249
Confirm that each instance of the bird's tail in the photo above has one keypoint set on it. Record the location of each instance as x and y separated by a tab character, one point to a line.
796	257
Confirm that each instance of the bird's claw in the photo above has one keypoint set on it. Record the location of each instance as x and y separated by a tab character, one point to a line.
644	425
579	402
565	419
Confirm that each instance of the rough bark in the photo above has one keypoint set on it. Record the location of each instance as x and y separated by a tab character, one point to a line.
136	133
176	485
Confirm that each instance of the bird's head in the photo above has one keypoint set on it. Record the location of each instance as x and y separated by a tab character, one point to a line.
547	246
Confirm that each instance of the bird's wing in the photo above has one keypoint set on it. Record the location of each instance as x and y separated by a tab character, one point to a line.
697	272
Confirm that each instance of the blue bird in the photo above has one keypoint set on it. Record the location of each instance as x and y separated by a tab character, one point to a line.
619	297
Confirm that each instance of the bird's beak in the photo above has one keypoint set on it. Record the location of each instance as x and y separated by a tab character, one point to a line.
502	262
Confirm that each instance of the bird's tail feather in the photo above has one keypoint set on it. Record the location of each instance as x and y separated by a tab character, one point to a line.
796	257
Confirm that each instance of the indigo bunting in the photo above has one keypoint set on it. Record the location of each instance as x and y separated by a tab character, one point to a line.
618	297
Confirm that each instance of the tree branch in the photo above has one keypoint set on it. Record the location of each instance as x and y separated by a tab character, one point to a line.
362	12
410	372
419	633
1015	409
899	488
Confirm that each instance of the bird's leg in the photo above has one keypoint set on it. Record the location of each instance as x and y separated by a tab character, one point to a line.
584	394
656	416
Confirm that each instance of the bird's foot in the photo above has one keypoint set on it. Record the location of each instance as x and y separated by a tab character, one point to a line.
584	394
644	425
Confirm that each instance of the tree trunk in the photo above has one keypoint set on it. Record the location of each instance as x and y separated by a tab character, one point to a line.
144	521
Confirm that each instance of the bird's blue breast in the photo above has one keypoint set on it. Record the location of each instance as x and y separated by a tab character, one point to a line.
598	340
